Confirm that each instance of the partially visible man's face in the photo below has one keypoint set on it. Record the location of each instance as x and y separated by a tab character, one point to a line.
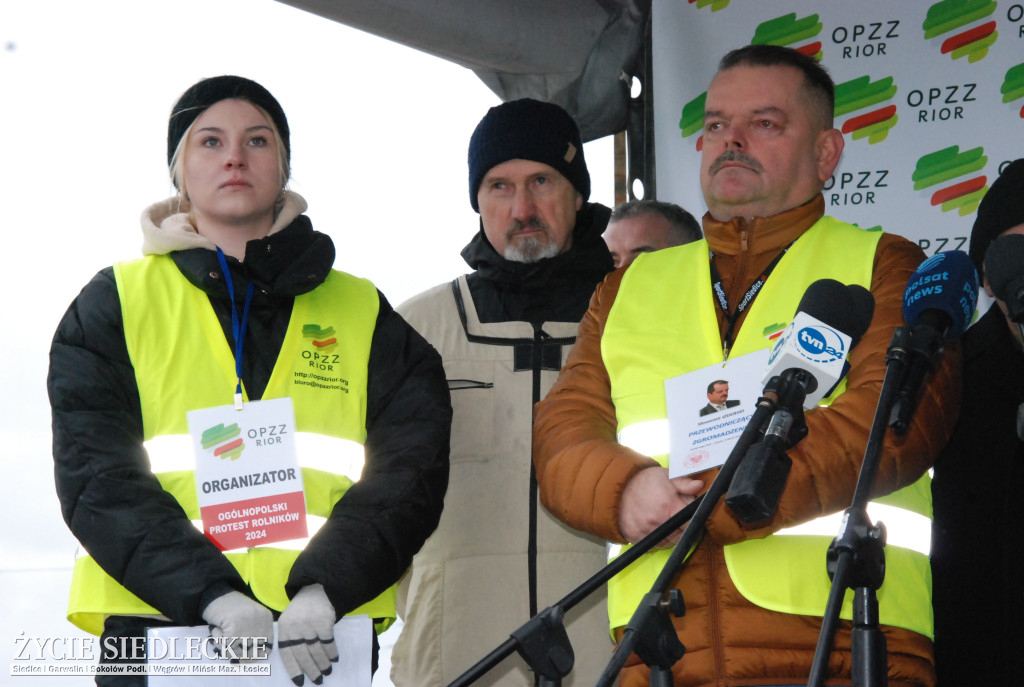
528	210
719	393
1014	329
764	151
629	237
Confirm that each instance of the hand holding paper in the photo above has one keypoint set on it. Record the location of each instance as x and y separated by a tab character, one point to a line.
305	635
247	626
650	498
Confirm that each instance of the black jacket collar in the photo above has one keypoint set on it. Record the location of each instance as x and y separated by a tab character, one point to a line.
287	263
550	290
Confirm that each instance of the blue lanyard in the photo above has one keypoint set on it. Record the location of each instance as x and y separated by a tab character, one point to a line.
237	328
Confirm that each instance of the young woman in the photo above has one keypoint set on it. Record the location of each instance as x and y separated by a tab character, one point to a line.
205	400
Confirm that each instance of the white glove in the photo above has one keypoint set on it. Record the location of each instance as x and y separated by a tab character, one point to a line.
305	635
244	628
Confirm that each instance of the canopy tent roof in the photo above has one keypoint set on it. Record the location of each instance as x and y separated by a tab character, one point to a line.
579	54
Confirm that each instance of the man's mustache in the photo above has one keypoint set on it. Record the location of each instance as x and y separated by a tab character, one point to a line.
518	225
734	156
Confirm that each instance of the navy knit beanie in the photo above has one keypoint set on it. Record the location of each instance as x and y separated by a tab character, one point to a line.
1000	209
209	92
527	130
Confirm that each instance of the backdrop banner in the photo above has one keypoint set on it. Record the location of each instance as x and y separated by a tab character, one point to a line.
929	96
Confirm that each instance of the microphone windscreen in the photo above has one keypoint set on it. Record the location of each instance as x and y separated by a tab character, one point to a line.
946	283
821	334
1004	263
864	306
848	308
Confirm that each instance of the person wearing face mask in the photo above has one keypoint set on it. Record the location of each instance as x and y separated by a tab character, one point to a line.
232	344
977	560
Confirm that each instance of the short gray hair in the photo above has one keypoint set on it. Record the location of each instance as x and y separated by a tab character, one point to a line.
684	228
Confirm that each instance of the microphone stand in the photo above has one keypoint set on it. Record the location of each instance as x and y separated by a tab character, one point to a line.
650	631
542	640
856	557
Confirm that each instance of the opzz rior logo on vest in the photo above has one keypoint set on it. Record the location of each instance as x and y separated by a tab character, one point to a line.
322	343
227	439
323	339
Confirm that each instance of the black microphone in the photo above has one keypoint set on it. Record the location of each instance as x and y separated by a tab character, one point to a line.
938	305
1004	267
830	312
829	321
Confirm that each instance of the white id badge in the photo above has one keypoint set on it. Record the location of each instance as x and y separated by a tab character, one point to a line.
704	422
248	480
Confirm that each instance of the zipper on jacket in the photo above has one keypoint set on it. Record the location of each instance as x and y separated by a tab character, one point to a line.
459	384
545	354
537	364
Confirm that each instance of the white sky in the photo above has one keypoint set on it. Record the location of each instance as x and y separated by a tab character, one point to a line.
379	137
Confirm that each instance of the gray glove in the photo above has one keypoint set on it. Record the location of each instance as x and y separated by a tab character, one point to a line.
305	635
243	628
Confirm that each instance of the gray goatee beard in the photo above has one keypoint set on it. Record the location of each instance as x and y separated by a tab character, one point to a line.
528	248
531	249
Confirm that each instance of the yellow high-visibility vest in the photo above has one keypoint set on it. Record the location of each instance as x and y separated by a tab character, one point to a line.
322	367
663	324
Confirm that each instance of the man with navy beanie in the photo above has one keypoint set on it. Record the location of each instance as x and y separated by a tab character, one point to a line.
503	331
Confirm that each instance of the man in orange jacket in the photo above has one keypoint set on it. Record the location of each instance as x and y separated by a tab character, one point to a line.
769	146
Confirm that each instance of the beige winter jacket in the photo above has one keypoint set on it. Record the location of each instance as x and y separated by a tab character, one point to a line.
467	589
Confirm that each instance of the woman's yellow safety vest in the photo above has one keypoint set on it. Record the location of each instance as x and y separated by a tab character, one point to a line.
322	367
663	324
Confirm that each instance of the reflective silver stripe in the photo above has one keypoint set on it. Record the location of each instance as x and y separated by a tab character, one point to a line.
170	453
904	528
329	454
650	438
174	452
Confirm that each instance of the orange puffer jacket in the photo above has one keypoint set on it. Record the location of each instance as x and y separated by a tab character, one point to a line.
582	471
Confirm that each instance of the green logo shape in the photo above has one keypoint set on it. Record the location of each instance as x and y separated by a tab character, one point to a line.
1013	85
950	15
715	4
323	338
864	94
947	164
313	331
218	434
787	29
692	119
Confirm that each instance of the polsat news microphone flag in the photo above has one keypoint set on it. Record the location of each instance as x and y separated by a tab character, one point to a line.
938	305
